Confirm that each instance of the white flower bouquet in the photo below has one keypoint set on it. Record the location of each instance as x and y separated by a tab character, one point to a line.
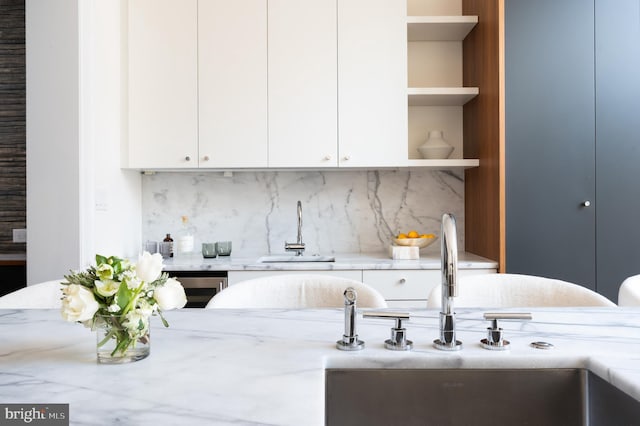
121	296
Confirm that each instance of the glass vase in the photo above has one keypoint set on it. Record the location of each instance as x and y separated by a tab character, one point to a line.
121	339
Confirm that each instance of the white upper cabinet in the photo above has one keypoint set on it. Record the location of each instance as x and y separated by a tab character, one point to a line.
283	84
372	76
163	84
302	80
232	55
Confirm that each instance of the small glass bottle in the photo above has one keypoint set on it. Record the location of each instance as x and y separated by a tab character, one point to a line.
169	240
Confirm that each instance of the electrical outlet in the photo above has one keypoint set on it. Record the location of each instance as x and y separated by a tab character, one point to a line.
19	235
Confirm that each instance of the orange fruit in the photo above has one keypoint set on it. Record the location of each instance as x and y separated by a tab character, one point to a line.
413	234
402	236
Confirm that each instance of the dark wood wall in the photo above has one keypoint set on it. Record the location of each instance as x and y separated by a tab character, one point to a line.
13	152
484	185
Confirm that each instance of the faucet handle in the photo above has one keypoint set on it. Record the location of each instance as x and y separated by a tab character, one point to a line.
494	340
398	340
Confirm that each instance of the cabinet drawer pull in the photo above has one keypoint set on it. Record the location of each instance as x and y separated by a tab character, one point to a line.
206	158
402	280
187	158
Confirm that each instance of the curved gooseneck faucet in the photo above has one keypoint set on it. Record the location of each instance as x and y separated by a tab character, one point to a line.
299	222
449	269
298	246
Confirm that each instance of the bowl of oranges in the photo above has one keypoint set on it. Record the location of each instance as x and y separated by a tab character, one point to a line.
414	238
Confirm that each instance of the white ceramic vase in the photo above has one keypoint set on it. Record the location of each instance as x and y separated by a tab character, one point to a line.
436	147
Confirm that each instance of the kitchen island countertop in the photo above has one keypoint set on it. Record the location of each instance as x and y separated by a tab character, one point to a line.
267	366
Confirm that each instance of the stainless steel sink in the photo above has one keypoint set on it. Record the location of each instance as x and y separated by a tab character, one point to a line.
293	258
493	397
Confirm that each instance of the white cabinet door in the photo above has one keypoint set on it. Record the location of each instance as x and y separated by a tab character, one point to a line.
232	48
372	76
163	84
302	81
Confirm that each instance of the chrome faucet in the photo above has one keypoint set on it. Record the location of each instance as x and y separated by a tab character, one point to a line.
449	268
298	246
350	341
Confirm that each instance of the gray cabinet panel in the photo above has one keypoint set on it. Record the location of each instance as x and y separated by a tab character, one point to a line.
550	139
617	60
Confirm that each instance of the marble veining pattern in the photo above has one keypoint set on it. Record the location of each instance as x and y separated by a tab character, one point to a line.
343	211
229	367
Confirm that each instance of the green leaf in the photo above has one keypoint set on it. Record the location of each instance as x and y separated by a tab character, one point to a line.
164	321
116	265
124	295
100	260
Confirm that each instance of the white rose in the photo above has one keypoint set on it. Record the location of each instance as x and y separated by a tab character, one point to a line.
78	303
149	266
171	295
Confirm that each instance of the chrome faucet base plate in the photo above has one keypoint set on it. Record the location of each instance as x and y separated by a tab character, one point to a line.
357	345
439	344
394	346
503	346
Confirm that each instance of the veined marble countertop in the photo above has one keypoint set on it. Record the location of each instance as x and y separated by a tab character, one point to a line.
376	261
267	366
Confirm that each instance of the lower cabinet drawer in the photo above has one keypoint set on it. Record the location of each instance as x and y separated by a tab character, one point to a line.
237	276
402	284
410	288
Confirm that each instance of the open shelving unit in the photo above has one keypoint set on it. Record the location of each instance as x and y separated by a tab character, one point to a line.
438	97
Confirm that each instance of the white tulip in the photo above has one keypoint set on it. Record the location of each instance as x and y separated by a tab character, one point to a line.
149	266
78	303
171	295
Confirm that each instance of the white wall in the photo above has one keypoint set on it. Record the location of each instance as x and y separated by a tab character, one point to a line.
116	223
53	140
74	129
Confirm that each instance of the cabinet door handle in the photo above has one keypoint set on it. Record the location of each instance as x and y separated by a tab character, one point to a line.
402	280
187	158
206	158
586	203
327	157
346	158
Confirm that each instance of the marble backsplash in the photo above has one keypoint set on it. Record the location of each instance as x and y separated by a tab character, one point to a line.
343	211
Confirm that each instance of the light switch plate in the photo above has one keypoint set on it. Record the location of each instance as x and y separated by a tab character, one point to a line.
19	235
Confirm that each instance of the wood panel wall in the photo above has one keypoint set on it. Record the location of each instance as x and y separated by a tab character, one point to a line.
13	152
483	132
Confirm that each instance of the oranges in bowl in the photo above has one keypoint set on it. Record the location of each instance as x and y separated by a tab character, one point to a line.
414	238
